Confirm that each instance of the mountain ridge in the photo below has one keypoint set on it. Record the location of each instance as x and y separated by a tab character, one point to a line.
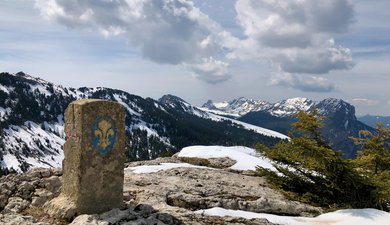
31	128
340	120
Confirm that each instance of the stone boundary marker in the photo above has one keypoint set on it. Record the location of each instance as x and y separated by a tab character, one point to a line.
94	159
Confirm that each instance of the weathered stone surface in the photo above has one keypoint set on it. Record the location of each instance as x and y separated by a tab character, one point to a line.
25	190
16	190
52	184
180	191
143	215
16	205
17	219
165	197
61	207
88	220
94	157
40	197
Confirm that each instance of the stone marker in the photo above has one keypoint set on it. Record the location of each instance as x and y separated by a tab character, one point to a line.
92	180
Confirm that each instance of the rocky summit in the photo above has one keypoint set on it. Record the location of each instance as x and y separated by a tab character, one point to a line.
169	196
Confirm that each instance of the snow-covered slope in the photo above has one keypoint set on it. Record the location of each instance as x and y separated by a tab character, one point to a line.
340	121
290	106
236	107
181	105
241	106
31	123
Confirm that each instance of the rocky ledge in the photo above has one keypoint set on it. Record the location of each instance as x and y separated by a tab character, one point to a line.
172	196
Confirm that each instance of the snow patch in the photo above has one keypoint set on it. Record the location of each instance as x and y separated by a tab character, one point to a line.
160	167
3	112
247	158
221	104
340	217
41	89
257	129
130	110
5	89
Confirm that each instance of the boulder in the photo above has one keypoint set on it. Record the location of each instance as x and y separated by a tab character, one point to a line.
16	205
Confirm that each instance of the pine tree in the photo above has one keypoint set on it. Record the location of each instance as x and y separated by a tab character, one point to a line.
311	171
373	160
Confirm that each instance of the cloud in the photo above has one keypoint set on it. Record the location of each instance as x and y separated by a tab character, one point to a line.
296	35
211	70
315	60
365	102
307	83
165	31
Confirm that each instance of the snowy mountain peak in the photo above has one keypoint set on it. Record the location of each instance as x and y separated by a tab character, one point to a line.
179	105
337	108
23	75
236	107
285	108
291	106
168	99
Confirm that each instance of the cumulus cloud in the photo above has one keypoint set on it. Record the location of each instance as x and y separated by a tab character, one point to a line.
302	82
165	31
365	102
296	35
211	70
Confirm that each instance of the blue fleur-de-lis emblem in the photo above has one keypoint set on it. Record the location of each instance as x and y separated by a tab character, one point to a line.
103	134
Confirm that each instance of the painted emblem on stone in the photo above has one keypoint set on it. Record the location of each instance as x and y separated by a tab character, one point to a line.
103	134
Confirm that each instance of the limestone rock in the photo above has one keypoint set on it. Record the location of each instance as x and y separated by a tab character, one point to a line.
40	197
16	205
143	215
61	207
179	191
88	220
25	190
52	184
17	219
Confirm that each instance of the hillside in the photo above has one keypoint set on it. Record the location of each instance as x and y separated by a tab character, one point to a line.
372	120
31	123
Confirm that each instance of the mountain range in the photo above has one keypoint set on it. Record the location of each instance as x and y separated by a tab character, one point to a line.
31	123
340	121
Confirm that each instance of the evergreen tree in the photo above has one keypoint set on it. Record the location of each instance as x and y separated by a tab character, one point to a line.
373	160
308	169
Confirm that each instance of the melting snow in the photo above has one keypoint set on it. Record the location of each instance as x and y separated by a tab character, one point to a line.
340	217
47	145
162	166
5	89
4	111
247	158
130	110
247	126
40	88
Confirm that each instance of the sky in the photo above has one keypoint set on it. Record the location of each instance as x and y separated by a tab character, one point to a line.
206	49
